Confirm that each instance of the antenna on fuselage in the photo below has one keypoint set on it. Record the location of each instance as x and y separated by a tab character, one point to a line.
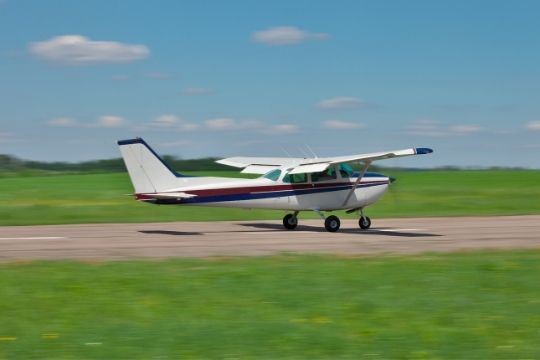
303	153
311	151
285	151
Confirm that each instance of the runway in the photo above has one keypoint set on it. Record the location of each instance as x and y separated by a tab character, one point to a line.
258	238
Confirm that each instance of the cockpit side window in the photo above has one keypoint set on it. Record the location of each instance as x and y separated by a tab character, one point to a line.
272	175
295	178
328	174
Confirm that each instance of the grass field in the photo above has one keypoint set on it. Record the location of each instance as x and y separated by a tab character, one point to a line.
444	306
95	198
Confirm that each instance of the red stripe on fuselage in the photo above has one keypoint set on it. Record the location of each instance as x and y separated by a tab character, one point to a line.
265	188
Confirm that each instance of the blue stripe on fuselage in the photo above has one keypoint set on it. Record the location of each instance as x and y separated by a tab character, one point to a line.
270	194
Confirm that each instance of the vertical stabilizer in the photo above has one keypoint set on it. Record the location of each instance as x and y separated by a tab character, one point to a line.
148	172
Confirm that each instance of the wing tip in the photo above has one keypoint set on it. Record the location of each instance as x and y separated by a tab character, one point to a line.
422	151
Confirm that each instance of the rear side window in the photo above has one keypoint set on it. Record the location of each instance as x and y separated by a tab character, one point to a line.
272	175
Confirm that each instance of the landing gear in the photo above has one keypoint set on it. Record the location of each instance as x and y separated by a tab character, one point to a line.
332	223
290	221
364	222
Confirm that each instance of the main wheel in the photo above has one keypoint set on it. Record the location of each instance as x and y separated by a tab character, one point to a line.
332	223
364	222
290	222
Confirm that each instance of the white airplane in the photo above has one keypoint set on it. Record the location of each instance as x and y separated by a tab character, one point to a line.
291	184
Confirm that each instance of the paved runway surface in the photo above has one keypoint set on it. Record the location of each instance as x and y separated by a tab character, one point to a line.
202	239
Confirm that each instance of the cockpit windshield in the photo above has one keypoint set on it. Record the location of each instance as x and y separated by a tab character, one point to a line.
272	175
346	170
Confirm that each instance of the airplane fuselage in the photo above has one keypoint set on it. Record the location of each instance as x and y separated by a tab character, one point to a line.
268	194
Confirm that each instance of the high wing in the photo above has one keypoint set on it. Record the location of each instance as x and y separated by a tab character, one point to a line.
259	165
255	165
323	163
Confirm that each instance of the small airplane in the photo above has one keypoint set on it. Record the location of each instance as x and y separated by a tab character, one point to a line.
290	184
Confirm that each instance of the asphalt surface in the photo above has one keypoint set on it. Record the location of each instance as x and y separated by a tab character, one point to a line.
256	238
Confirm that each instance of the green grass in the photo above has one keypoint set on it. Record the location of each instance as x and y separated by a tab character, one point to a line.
450	306
96	198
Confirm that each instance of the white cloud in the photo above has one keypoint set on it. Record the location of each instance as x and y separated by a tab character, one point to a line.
465	129
436	129
79	50
188	127
171	122
105	121
282	129
533	125
286	35
343	102
342	125
228	124
110	121
166	121
232	124
426	128
197	91
221	124
64	122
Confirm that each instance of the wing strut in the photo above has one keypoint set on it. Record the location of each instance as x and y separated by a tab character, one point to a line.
360	176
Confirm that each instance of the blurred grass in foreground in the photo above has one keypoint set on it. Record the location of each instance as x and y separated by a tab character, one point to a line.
95	198
451	306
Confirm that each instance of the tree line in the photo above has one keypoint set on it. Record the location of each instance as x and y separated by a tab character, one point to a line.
13	164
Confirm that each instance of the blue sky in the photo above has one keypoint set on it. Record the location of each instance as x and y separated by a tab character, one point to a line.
254	78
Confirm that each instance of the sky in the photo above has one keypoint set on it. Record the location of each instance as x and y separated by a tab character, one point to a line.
272	78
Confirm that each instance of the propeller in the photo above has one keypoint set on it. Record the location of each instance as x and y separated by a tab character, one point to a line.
394	188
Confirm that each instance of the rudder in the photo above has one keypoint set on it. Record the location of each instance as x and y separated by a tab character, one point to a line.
148	172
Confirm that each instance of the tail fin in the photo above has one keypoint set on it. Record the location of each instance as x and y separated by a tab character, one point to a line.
148	172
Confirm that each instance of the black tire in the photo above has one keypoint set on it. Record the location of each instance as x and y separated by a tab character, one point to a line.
364	222
290	222
332	223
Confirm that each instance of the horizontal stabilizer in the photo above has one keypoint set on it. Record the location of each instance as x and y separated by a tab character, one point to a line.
168	195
